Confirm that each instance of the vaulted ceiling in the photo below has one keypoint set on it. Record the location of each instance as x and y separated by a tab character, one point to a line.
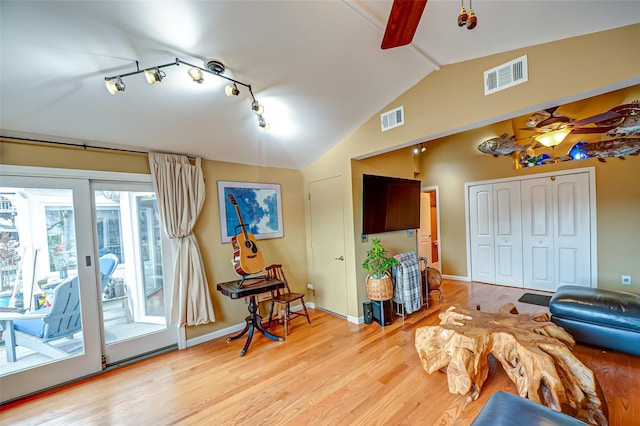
316	66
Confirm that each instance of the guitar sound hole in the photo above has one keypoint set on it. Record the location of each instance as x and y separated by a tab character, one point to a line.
250	245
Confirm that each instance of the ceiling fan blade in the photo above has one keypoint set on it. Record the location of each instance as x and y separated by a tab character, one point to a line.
403	21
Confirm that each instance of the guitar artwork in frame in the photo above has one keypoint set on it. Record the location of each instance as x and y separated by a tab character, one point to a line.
259	205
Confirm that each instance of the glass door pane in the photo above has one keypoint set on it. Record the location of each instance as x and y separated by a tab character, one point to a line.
132	276
45	292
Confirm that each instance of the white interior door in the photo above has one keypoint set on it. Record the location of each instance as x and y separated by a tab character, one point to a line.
572	221
508	234
327	245
481	229
538	234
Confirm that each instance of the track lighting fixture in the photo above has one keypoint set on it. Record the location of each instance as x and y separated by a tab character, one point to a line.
154	75
231	90
418	149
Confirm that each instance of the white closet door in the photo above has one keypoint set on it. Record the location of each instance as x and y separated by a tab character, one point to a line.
572	230
538	234
508	234
482	235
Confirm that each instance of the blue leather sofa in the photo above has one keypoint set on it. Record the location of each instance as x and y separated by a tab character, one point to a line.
605	318
506	409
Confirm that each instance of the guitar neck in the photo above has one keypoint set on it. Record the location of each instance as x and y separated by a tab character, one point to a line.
242	225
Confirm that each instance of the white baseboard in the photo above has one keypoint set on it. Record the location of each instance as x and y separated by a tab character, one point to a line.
456	278
355	320
228	330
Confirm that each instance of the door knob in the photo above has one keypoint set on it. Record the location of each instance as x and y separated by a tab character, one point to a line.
340	258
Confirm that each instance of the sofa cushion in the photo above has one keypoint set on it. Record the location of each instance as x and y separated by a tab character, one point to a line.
606	307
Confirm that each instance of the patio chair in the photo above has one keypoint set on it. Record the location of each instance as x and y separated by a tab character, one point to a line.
35	330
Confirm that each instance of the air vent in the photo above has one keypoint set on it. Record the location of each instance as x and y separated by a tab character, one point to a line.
391	119
505	75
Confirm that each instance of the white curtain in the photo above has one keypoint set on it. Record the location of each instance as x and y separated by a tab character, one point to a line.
180	190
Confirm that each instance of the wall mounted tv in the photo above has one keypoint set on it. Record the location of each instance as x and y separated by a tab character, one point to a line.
389	204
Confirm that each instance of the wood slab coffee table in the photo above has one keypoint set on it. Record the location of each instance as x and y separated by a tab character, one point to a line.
535	353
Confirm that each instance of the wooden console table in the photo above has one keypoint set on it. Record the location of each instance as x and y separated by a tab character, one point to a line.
535	353
250	288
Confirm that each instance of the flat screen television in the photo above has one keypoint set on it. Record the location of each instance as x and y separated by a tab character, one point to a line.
389	204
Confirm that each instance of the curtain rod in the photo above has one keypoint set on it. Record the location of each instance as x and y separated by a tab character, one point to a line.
86	146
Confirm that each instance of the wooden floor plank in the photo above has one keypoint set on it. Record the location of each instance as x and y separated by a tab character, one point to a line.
330	372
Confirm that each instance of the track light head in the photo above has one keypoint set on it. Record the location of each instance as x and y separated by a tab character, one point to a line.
154	75
215	67
231	90
196	75
115	85
257	108
263	123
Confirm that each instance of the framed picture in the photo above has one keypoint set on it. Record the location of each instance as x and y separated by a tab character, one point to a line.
258	205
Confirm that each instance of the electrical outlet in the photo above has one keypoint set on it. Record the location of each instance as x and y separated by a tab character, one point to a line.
410	232
364	238
626	280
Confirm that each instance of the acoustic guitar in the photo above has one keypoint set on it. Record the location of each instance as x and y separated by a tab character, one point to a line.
247	259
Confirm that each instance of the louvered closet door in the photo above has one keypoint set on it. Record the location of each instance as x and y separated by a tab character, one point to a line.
482	235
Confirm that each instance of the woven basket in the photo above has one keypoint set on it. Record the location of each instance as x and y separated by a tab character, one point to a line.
379	288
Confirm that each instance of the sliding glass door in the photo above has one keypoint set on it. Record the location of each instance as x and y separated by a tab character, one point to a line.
48	297
134	258
83	276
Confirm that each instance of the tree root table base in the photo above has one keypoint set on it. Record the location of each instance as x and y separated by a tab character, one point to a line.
534	352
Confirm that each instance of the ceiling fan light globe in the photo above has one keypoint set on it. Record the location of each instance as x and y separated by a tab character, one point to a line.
553	138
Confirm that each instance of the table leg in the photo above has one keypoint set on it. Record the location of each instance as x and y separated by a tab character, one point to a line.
253	321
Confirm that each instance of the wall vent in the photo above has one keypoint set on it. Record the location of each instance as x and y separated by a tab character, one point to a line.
506	75
391	119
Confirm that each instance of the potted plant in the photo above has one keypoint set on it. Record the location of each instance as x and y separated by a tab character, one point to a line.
378	264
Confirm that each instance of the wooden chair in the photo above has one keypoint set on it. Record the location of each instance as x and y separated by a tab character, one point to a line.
35	330
285	297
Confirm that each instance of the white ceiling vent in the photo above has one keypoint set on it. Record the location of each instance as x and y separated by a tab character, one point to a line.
505	75
391	119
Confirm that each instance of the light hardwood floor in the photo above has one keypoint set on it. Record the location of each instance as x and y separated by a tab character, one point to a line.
329	373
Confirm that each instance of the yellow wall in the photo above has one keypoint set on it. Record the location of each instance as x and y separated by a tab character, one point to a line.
451	101
217	257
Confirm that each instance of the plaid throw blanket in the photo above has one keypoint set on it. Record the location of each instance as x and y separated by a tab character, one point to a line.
408	279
